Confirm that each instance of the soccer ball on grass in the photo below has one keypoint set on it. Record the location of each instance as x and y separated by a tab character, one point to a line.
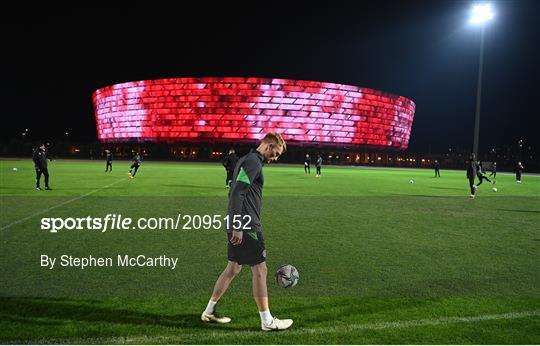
287	276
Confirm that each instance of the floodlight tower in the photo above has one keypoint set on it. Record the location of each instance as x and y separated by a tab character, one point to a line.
481	14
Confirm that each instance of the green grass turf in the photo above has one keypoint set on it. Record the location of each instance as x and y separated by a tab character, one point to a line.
381	260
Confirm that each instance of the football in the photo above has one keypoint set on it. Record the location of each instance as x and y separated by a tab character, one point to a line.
287	276
411	181
15	169
494	189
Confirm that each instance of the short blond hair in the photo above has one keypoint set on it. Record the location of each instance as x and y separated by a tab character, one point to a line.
276	138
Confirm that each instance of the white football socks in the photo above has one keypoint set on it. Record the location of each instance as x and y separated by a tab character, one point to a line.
266	317
210	307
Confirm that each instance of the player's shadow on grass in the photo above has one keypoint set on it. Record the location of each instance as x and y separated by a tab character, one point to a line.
428	196
55	311
446	188
200	187
92	188
520	211
348	309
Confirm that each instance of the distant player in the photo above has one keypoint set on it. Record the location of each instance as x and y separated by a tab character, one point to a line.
481	175
318	165
471	174
135	166
246	246
494	170
229	162
307	164
109	161
519	170
436	166
40	164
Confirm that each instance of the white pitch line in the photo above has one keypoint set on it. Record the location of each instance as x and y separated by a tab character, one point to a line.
426	322
58	205
162	339
333	329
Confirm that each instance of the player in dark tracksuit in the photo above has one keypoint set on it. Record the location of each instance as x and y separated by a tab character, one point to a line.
471	174
135	166
40	164
494	170
244	233
480	174
229	162
109	161
519	170
307	164
318	165
436	166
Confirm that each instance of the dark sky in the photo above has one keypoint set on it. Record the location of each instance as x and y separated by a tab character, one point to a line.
423	50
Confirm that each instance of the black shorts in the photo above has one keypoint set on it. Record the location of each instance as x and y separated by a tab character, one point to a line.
251	251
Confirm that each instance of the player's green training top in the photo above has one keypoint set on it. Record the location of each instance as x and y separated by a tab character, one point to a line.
245	196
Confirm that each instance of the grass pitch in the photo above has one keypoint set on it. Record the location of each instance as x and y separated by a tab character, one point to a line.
381	260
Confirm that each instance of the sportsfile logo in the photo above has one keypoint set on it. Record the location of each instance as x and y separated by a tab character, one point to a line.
114	222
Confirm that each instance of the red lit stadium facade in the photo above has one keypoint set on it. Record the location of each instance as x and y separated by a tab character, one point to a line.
242	110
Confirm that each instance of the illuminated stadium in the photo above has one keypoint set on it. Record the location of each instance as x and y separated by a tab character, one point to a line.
242	110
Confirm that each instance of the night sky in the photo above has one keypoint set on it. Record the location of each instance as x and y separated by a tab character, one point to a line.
424	50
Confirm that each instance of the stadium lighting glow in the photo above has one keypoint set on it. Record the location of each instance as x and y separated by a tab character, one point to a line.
481	13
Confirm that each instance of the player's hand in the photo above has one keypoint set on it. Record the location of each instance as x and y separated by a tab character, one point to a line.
236	238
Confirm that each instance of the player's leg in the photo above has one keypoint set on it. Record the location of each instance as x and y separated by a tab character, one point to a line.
260	294
228	179
255	252
260	291
38	178
473	187
222	283
136	168
220	287
234	255
481	180
46	175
